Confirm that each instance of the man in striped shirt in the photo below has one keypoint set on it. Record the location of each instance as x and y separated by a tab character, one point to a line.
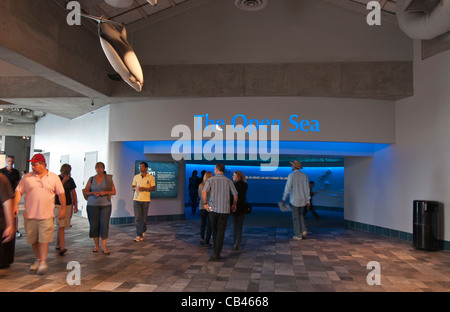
220	188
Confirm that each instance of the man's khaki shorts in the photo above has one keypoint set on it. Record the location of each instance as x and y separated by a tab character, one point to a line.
63	223
39	231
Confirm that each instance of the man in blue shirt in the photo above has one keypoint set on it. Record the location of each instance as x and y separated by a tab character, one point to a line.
297	188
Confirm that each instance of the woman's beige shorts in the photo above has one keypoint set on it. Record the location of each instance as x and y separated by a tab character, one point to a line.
39	231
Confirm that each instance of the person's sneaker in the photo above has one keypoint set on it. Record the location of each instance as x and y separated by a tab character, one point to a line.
42	269
35	265
297	238
305	234
138	239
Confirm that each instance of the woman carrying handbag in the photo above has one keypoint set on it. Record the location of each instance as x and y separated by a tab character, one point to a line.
98	192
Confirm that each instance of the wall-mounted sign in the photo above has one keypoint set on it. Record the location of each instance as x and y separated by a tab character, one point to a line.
166	177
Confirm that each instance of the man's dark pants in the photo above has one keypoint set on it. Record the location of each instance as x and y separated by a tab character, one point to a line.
218	227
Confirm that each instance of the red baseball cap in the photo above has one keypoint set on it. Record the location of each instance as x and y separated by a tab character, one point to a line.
37	158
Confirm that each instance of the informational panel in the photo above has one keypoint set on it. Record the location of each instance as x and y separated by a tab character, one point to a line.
166	177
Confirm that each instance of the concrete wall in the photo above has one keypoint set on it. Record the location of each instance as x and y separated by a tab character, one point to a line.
380	190
370	80
35	36
340	120
285	31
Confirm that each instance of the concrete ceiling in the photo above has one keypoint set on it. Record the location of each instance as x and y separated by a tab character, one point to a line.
47	66
140	10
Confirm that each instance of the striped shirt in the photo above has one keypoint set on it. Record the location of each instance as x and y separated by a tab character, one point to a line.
297	188
220	188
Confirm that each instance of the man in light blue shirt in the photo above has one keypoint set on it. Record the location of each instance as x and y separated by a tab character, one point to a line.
297	188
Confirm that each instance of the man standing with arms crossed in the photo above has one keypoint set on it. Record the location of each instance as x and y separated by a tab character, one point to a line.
143	184
40	187
11	173
218	206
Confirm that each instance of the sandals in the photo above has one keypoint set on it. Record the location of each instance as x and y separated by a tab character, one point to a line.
61	251
104	252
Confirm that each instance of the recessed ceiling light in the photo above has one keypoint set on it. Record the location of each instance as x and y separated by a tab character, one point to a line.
251	5
120	3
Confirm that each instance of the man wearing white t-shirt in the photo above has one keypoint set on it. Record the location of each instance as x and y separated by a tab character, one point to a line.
143	184
40	187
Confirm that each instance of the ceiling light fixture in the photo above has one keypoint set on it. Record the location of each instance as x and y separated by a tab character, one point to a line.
120	3
251	5
153	2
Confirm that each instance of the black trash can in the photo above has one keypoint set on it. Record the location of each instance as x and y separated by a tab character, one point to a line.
426	230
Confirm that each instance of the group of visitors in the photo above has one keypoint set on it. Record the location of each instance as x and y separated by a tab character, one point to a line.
51	198
215	204
40	188
219	197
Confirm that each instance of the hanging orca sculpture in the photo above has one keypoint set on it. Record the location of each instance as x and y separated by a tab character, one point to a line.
119	52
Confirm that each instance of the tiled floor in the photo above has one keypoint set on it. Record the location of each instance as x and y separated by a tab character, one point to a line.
332	259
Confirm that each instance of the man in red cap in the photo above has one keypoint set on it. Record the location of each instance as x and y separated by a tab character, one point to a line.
40	187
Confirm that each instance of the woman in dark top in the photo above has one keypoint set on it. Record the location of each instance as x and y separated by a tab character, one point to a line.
241	209
194	182
71	206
